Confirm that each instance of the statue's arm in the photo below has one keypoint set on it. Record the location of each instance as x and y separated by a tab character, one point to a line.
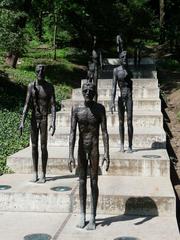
53	112
114	85
72	138
101	60
26	107
105	137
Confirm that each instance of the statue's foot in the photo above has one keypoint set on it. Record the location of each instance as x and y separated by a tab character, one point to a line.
34	178
129	150
81	223
91	225
42	180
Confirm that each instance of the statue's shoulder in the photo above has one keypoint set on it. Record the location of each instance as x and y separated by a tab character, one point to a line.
116	69
49	85
100	107
31	85
77	108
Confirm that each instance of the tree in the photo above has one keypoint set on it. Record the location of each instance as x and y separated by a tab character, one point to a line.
13	17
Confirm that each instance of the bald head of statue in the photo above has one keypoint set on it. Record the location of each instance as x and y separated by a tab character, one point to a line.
40	72
88	91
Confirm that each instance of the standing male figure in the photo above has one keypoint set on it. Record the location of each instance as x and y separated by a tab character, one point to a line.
89	117
123	79
93	67
40	95
119	43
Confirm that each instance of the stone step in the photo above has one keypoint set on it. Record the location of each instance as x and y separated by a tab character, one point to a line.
138	104
137	82
132	195
151	162
143	138
142	72
145	61
138	92
140	119
145	196
62	226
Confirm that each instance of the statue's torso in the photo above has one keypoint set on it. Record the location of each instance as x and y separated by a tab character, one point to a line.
89	119
41	96
124	82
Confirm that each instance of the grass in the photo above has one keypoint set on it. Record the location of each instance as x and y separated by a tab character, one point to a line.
64	74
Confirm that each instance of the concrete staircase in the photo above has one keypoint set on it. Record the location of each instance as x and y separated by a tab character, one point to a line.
136	184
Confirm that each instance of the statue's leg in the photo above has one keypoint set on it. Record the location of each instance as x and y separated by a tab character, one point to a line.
82	169
44	152
96	84
94	164
129	107
139	57
135	56
121	110
34	141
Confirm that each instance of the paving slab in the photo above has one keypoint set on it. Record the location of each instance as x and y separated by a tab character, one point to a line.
62	226
113	227
150	162
17	225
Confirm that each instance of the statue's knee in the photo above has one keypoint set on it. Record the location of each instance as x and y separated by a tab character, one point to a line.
94	181
34	147
121	123
129	122
82	182
43	147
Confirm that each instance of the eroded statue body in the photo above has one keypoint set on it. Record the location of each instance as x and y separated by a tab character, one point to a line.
40	97
89	117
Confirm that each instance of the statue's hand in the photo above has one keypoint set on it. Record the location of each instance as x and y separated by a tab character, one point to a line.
21	126
106	160
112	107
71	163
53	129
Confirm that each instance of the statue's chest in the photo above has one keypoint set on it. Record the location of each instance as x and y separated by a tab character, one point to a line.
86	116
40	93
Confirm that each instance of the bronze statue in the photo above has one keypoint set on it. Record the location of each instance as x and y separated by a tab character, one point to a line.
119	43
94	65
138	52
125	103
89	117
40	96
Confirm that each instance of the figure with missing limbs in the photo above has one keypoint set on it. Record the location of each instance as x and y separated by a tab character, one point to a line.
40	96
94	65
125	102
89	117
119	44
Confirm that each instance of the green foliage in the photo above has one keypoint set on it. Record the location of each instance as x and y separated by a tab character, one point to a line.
169	64
12	37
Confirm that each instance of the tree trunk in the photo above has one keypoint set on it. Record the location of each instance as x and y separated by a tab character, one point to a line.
161	21
11	59
55	34
39	26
